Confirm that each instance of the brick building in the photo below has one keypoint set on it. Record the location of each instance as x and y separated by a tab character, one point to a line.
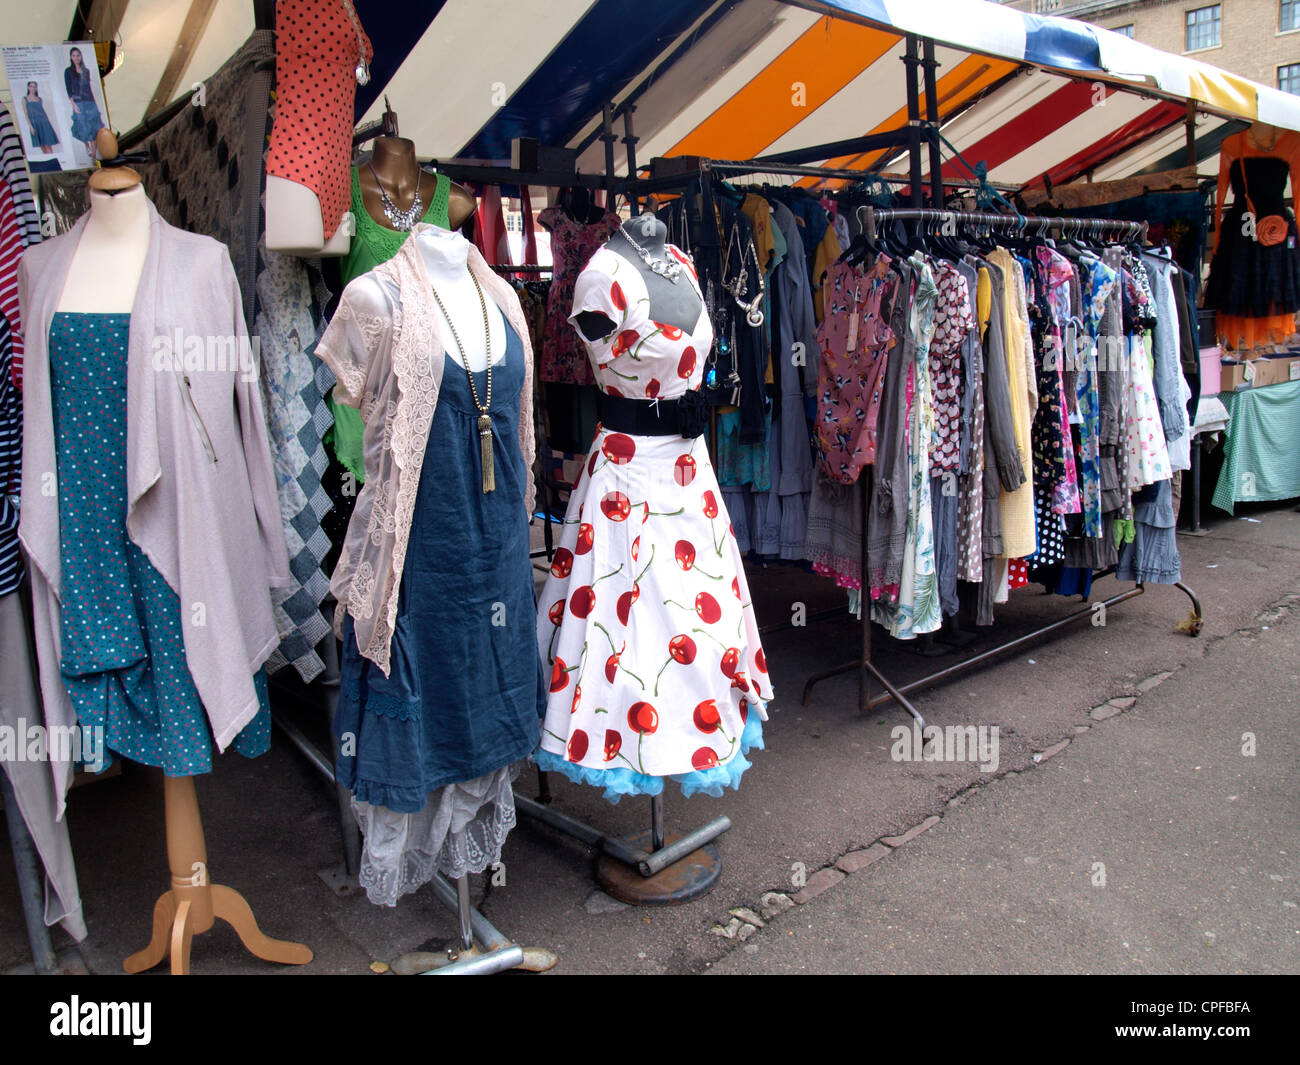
1258	39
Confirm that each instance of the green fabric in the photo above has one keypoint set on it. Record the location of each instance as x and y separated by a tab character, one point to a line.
371	245
1124	530
1262	446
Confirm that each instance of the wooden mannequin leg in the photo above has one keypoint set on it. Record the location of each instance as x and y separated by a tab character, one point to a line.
164	911
231	907
193	902
182	936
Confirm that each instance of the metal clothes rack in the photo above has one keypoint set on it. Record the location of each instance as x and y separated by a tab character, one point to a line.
865	667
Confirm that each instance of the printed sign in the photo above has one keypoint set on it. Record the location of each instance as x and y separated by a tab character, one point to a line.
57	103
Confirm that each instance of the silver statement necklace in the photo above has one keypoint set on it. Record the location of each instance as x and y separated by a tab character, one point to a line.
401	220
363	70
665	267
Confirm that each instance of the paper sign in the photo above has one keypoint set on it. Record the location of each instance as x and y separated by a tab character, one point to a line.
57	103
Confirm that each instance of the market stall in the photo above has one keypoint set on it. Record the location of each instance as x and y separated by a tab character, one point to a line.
987	104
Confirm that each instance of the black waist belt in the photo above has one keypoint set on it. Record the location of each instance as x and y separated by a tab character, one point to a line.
686	416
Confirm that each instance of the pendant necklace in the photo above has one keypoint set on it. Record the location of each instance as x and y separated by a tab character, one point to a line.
362	70
484	423
401	220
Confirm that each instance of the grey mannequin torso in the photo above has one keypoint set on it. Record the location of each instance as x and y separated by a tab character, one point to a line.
670	303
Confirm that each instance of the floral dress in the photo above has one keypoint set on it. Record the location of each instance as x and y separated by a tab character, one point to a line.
563	357
1097	290
1144	433
917	608
855	341
645	622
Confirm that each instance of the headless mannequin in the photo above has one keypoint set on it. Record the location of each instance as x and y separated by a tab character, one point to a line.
670	303
102	279
106	268
294	224
393	159
445	255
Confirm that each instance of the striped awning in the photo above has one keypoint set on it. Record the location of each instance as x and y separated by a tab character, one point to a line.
1033	98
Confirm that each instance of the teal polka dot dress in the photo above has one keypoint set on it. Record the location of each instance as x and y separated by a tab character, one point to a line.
123	645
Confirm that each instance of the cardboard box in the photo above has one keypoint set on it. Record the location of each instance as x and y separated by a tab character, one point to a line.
1257	373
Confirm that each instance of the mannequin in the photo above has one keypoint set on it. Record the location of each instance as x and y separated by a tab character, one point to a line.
445	255
672	304
106	269
125	558
294	225
393	159
439	705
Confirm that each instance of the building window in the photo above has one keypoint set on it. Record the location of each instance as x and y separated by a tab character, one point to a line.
1289	19
1127	31
1288	79
1203	27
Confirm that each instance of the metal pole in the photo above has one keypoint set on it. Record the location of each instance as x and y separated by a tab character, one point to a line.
657	822
463	909
629	139
31	881
607	135
911	61
928	66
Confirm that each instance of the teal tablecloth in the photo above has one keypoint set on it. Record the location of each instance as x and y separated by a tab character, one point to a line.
1262	446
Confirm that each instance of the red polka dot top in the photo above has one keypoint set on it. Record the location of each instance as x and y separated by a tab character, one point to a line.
316	54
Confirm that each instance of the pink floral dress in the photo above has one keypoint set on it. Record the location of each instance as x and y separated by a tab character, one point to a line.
855	340
563	357
645	622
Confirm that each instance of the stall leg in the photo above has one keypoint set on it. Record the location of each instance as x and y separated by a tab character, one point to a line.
31	881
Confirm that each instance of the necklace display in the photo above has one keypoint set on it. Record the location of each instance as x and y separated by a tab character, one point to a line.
401	220
665	267
362	70
484	423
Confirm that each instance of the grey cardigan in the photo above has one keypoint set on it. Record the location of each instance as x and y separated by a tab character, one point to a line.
201	495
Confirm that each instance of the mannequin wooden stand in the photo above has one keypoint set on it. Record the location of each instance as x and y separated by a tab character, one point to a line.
192	904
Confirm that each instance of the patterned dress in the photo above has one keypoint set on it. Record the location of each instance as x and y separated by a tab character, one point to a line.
917	607
563	358
645	623
123	644
855	341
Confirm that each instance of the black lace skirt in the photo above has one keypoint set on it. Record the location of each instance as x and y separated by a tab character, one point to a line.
1247	278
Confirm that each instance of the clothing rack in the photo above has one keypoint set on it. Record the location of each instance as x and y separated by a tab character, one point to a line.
865	667
1027	224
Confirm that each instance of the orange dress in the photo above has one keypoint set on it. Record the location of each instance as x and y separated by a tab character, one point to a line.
1238	331
316	55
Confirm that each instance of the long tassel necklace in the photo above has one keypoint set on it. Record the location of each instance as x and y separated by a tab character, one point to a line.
484	419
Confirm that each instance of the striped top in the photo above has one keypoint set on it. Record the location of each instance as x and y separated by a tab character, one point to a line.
11	253
13	168
11	443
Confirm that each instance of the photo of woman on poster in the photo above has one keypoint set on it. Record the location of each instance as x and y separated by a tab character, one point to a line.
86	120
40	131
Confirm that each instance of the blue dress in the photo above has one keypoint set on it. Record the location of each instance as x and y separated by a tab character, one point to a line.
123	649
86	120
43	134
466	690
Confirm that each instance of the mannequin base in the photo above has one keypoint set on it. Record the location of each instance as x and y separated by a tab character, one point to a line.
174	929
686	879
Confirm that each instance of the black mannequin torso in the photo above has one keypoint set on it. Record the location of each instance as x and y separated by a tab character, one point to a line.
671	303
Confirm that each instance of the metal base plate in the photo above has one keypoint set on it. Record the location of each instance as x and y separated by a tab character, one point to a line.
681	882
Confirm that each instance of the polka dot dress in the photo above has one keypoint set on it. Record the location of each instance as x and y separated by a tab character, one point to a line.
316	55
123	647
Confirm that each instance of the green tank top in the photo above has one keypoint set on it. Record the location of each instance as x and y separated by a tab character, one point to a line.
371	245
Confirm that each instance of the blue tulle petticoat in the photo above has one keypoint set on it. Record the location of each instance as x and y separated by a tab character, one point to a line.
620	781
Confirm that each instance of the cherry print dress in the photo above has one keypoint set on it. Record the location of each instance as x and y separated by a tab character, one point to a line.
645	623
